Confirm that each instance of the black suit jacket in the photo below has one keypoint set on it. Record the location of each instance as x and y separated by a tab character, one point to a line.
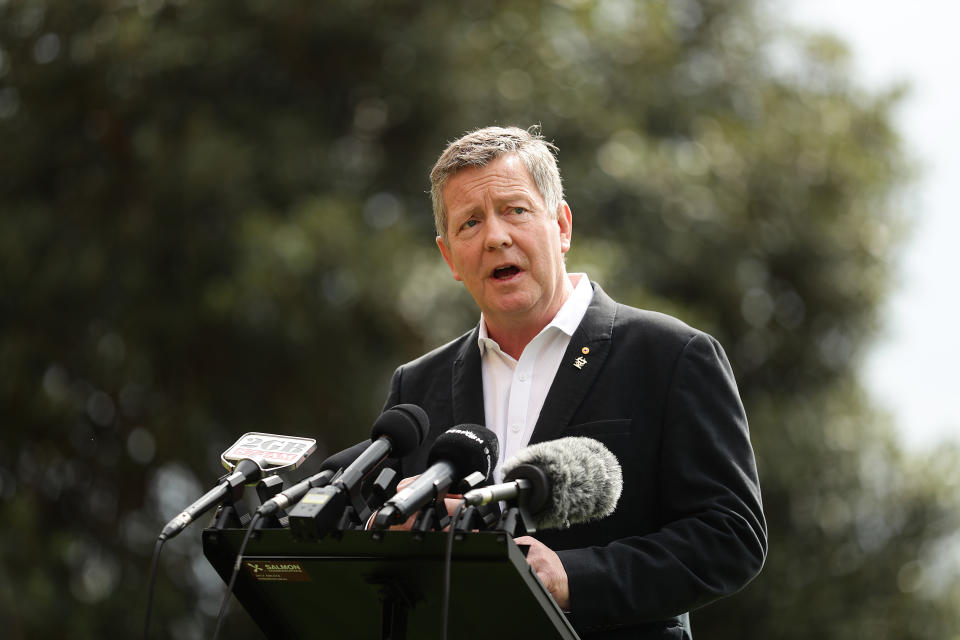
689	525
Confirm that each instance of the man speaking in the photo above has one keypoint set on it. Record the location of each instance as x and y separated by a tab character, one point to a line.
554	356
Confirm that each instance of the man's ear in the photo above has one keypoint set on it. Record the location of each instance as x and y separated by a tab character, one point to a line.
445	252
565	221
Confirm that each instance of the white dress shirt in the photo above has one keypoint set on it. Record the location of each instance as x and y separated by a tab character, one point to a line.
514	390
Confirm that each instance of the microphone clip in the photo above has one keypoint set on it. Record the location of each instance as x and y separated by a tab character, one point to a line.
478	517
516	519
432	517
267	489
232	512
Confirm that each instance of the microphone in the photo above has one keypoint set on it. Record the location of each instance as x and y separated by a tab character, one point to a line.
399	430
249	457
247	471
458	452
343	459
559	482
328	470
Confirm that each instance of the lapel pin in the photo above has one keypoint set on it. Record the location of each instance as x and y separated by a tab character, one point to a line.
579	362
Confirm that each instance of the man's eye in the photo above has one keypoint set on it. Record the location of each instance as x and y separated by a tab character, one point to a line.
519	210
469	224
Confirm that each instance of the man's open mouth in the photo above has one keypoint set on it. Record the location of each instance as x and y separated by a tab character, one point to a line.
502	273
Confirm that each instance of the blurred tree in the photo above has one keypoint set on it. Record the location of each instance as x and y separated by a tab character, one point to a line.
214	220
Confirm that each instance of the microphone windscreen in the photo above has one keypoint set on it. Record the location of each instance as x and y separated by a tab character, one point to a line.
585	479
404	425
469	448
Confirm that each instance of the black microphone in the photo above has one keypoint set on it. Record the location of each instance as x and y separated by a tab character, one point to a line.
343	459
458	452
328	470
254	453
398	431
559	482
247	471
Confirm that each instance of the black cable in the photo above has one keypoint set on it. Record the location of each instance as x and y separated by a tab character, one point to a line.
225	604
448	560
150	582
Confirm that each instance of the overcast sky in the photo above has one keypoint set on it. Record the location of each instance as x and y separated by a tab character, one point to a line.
913	369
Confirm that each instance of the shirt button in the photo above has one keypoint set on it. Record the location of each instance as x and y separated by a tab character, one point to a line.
523	377
515	428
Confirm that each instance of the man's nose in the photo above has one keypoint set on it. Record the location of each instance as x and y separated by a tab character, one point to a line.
498	233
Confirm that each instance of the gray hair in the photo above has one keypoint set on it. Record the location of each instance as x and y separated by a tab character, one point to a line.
479	148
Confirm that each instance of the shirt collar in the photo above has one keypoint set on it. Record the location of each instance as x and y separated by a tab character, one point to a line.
566	320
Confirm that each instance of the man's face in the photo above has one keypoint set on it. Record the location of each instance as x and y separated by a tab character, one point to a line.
503	244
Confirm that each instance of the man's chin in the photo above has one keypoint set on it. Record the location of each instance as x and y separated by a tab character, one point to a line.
511	306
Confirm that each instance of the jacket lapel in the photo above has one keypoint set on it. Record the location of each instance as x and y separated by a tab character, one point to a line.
579	369
467	383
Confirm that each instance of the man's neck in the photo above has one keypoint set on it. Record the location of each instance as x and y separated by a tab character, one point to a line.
513	334
514	341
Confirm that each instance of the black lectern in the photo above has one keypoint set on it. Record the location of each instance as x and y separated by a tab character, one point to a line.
356	586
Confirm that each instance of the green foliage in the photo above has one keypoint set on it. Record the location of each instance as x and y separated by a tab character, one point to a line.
213	219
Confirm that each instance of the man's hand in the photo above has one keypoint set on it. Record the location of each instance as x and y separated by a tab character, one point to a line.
546	563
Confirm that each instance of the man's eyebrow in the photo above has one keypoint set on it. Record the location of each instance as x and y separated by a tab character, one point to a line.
504	198
465	211
515	195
